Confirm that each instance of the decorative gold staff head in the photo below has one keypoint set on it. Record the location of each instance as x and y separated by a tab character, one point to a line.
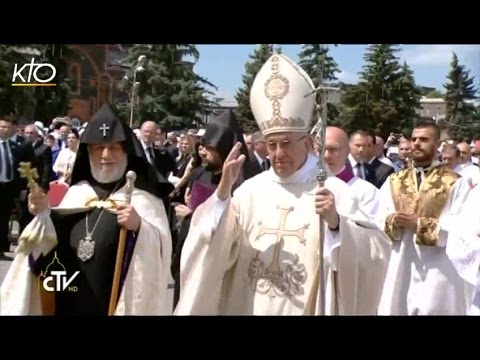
30	174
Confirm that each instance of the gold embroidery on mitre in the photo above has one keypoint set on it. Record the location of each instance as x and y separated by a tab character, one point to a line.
276	88
272	278
427	202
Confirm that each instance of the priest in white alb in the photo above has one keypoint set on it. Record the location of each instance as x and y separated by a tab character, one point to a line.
463	249
419	206
256	251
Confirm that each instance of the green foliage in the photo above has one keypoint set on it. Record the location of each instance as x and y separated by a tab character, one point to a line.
35	103
315	60
408	99
170	92
459	88
386	97
54	101
435	94
243	112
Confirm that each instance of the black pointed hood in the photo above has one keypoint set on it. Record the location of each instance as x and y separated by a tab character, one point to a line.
222	133
106	127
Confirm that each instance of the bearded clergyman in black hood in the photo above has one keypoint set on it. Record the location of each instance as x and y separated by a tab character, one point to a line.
221	134
80	237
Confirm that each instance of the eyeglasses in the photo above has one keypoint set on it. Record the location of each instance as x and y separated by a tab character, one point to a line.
286	145
333	149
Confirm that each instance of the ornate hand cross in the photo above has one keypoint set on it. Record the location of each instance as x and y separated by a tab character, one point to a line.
28	173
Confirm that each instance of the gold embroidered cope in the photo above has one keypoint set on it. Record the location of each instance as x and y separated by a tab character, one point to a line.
427	202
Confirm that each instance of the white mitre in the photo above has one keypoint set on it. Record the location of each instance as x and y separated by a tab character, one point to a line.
281	97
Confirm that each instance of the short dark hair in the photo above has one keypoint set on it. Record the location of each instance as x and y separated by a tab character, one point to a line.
428	124
452	147
365	133
9	118
360	132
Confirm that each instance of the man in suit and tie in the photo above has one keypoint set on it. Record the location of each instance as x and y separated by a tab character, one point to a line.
17	132
380	171
42	162
259	153
11	185
359	153
159	157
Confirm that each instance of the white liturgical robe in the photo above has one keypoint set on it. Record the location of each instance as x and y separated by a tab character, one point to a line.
144	291
463	249
257	253
421	279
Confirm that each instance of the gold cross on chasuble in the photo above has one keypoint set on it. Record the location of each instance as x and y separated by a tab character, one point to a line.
272	279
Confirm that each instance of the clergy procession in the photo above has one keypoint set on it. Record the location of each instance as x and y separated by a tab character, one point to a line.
299	218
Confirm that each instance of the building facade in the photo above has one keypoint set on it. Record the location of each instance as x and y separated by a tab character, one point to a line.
432	108
95	73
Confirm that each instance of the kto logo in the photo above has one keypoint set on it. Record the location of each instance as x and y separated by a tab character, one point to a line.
41	79
57	279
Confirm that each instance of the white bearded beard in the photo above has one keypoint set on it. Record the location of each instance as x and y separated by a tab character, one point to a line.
106	175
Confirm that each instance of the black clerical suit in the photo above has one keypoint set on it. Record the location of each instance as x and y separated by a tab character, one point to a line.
11	184
221	133
378	172
43	164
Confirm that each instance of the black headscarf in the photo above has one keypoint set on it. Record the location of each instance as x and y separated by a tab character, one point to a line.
222	133
106	127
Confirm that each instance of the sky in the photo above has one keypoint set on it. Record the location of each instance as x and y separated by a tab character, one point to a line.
224	65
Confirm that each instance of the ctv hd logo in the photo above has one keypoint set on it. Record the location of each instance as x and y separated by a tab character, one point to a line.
55	277
41	73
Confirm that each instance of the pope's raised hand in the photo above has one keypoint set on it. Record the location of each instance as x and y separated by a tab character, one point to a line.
231	170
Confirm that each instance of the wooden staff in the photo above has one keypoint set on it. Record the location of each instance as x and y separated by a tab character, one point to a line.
131	177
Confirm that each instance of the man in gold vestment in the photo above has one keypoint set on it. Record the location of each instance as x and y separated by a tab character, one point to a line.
417	206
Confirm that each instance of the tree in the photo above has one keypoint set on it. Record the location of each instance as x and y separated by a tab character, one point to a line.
54	101
170	92
408	99
374	102
14	100
314	58
459	88
243	112
434	94
35	103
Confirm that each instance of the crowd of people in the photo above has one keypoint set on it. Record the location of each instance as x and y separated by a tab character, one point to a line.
231	218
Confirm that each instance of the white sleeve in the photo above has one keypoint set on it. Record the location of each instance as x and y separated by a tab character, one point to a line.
59	162
332	243
449	217
210	224
463	240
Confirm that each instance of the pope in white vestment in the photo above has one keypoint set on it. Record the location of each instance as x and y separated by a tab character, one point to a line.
418	208
257	252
